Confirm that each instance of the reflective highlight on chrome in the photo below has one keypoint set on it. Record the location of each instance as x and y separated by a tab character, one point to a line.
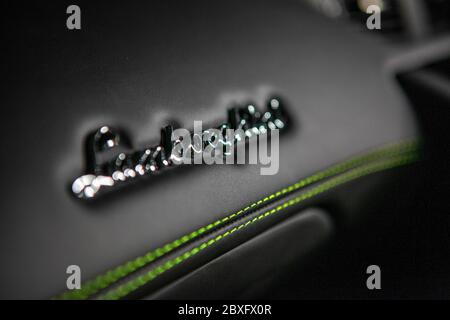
111	160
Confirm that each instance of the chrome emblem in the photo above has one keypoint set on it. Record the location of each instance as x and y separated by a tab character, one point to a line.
112	161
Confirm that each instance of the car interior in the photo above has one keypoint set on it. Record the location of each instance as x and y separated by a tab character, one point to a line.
350	201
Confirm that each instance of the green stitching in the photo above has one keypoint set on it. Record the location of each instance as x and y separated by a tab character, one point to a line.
139	281
102	281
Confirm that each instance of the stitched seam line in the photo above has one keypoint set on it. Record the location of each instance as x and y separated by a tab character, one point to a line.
141	280
102	281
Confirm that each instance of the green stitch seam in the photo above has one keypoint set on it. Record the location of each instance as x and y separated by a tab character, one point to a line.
139	281
102	281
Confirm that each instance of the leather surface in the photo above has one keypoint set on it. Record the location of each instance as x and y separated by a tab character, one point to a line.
136	67
244	271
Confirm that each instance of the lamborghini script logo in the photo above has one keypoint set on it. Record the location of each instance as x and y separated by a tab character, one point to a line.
243	139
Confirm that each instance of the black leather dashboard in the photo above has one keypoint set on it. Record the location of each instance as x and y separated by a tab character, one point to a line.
142	65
